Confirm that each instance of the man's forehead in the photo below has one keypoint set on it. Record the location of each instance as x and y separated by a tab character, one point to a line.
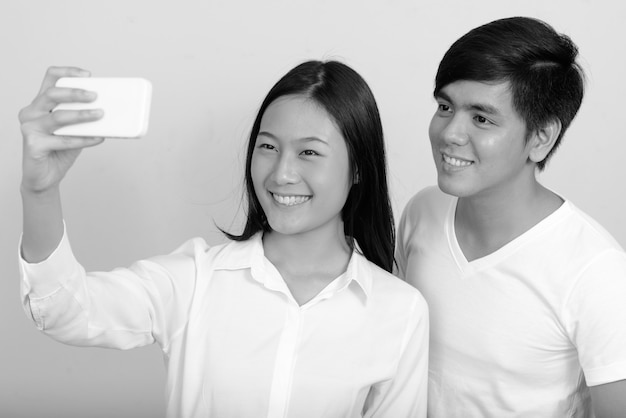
491	97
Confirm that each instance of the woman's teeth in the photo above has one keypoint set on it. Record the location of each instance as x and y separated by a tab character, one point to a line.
290	200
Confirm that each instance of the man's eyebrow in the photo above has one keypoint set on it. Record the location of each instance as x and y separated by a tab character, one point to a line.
442	95
303	139
481	107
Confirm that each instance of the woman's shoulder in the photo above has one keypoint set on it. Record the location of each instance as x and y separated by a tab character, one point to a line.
192	251
391	289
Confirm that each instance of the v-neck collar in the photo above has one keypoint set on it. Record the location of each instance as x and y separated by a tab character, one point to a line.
469	268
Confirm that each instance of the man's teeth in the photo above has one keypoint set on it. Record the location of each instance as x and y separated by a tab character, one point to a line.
290	200
456	162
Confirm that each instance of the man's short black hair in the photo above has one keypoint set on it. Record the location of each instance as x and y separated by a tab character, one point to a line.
546	82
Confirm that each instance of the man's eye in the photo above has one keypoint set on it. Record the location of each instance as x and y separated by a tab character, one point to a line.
443	107
481	119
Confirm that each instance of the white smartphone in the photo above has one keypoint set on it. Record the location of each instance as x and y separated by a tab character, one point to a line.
124	100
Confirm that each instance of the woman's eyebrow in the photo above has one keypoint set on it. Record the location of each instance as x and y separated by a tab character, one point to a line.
303	139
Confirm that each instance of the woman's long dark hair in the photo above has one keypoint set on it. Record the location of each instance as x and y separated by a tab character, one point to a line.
343	93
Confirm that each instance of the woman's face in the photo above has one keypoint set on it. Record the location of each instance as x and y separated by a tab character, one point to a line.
300	168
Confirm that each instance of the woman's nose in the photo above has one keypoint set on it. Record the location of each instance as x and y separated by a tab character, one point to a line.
286	170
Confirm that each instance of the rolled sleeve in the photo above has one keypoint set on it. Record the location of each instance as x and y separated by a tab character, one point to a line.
123	308
46	277
44	281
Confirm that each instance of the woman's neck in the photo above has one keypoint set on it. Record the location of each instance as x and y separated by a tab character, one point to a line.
307	251
308	262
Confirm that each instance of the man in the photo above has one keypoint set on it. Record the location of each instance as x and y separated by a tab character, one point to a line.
527	294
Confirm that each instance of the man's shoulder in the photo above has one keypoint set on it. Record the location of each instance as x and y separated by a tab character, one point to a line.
424	215
429	198
587	230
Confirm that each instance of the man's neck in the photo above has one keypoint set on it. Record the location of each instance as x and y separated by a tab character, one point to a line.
486	223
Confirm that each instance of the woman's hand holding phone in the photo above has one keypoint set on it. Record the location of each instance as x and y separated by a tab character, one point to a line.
47	157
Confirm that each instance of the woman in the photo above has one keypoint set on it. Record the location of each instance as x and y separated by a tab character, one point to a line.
298	316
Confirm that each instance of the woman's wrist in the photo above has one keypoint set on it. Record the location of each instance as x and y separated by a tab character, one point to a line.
46	194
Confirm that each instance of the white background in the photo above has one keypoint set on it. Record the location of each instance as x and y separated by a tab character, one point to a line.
211	63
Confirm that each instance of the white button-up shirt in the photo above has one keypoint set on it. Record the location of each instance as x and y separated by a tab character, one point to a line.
235	342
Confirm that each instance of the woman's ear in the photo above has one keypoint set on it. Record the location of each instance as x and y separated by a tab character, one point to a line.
543	140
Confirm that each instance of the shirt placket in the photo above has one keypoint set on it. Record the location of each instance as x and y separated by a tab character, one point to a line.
285	362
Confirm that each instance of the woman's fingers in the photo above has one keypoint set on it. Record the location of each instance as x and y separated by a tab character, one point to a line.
48	122
50	98
59	118
38	133
49	95
62	143
54	73
38	148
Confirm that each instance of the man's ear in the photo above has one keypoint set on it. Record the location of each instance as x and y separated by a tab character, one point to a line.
543	140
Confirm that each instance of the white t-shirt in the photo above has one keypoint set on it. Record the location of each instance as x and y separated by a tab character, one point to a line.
236	343
516	333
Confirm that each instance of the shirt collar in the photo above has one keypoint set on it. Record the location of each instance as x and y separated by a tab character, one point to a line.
249	254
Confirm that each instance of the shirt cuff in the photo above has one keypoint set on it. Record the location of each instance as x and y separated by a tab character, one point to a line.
43	278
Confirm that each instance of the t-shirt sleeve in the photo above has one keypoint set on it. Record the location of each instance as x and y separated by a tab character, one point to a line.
405	233
401	259
596	312
123	308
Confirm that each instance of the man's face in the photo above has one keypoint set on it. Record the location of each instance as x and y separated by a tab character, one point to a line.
478	140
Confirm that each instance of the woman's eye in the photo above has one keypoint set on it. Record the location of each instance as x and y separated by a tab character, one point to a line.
309	153
443	107
266	146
